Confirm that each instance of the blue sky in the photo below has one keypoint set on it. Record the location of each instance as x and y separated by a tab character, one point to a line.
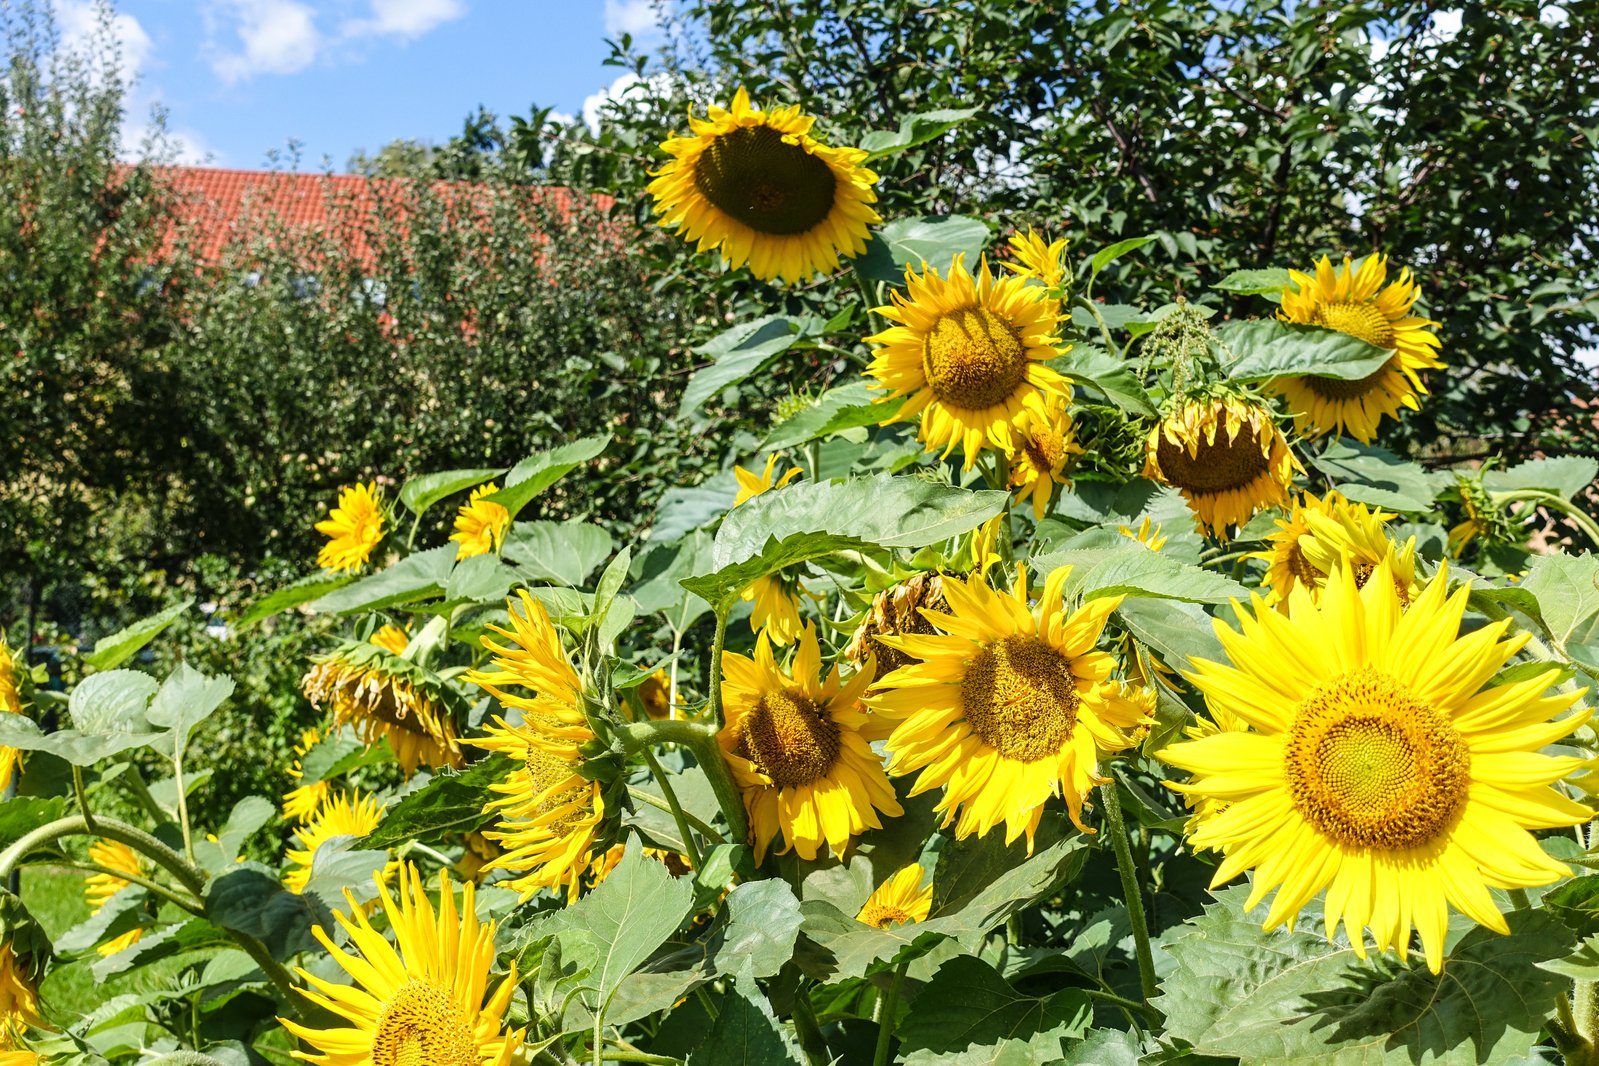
240	77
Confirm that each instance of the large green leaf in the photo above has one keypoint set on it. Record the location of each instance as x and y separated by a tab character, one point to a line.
249	899
186	699
311	587
450	802
658	576
1269	282
968	1015
746	1033
740	351
933	240
1566	475
538	472
422	492
812	519
124	644
480	579
1372	475
1266	348
1114	378
108	715
419	576
763	920
913	130
846	407
1567	590
560	553
1134	570
1287	998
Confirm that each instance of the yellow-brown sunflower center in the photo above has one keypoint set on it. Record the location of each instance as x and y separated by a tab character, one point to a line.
1363	320
1370	765
1214	467
974	358
751	174
791	739
1300	567
1020	698
1045	450
883	915
421	1025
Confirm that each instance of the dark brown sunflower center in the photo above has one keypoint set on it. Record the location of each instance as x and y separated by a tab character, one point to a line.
1363	320
752	175
1370	765
1020	698
421	1025
1301	567
1045	450
1214	467
973	359
790	738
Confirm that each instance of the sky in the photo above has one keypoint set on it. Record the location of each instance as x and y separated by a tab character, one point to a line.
241	78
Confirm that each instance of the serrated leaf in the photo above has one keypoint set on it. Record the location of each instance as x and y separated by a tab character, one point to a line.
1576	904
450	802
914	130
249	899
560	553
303	591
1266	348
738	352
763	921
186	698
22	814
1114	378
480	579
1375	476
910	242
1580	965
422	492
660	572
1566	476
538	472
1105	256
968	1015
108	711
746	1033
1268	282
1567	590
419	576
848	406
247	816
1136	571
114	650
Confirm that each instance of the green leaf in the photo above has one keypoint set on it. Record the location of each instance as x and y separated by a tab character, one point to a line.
812	519
247	816
763	921
737	353
114	650
1566	476
419	576
113	702
538	472
1372	475
480	579
1105	256
1266	348
450	802
846	407
248	899
1288	998
1567	590
915	241
420	493
746	1033
561	553
968	1015
1114	378
77	748
914	130
23	814
1137	571
186	699
1576	904
302	591
1580	965
660	572
1269	282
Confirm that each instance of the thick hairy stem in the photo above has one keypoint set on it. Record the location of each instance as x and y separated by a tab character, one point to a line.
1116	829
1574	514
885	1015
718	642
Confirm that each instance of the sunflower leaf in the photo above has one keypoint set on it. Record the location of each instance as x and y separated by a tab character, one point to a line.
746	1032
560	553
914	130
740	351
1103	372
419	576
116	649
1134	570
968	1015
1268	283
422	492
300	592
920	241
1566	476
1108	255
1265	348
541	470
450	802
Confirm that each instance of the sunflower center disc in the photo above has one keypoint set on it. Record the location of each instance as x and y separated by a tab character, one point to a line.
791	739
751	175
881	916
422	1026
1345	388
544	772
1363	320
1214	467
1020	698
1370	766
973	359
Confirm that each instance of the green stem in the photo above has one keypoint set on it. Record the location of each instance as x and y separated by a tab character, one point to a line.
1104	327
699	738
599	1038
141	792
661	779
1129	1005
808	1028
718	643
1565	1029
183	803
1116	828
83	797
1518	898
885	1015
708	832
618	1055
1577	516
155	888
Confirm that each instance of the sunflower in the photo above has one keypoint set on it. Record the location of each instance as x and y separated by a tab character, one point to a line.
896	611
21	1057
898	900
1356	302
1322	534
301	802
387	697
355	525
774	598
751	484
655	695
1225	455
99	888
1037	259
1148	534
970	353
759	187
341	815
1482	517
1376	764
19	995
427	1002
480	524
10	703
550	815
1009	705
1043	444
799	748
391	638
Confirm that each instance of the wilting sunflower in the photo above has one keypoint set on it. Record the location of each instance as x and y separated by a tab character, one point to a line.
1225	455
480	524
1376	764
800	750
1482	517
386	697
391	638
1010	705
970	354
301	802
341	815
898	900
896	611
1037	259
759	187
10	703
1043	444
355	525
774	599
99	888
1321	534
425	999
19	995
1357	303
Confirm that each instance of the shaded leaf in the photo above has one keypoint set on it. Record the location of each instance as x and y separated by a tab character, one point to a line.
116	649
913	130
419	576
449	802
738	352
746	1033
1267	348
249	899
848	406
968	1015
303	591
1114	378
561	553
536	473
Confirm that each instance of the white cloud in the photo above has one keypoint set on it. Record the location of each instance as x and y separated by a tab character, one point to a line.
406	19
637	17
626	88
79	22
278	37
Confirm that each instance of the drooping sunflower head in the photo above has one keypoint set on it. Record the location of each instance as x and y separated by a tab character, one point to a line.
1322	534
1043	443
798	745
1225	455
480	524
1009	705
19	991
970	355
354	526
386	697
427	998
1355	301
1482	518
899	900
301	801
894	611
1370	756
10	703
758	187
341	815
1038	259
